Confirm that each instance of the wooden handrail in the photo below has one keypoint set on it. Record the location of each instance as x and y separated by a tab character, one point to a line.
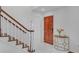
13	24
16	21
0	22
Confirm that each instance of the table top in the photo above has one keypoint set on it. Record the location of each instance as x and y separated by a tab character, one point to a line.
61	36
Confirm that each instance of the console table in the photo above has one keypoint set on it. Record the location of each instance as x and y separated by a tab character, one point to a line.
61	42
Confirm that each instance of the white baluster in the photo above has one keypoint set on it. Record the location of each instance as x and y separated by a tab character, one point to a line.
5	26
12	30
21	35
24	35
28	37
17	33
2	24
8	27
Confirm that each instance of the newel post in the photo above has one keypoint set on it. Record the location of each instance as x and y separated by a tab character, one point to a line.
0	21
31	46
31	49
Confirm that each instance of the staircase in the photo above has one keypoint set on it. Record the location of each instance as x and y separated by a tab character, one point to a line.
15	31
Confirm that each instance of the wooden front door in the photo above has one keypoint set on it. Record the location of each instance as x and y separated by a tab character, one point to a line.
48	29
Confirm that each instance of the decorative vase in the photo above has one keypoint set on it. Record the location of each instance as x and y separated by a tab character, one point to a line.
59	31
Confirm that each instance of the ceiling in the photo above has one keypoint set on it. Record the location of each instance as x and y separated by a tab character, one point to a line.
23	10
43	9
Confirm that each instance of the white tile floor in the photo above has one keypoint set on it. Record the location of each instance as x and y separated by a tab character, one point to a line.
46	48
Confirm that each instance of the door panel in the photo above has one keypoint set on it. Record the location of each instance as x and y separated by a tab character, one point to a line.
48	29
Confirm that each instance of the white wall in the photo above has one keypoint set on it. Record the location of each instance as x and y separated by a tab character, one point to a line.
74	29
68	18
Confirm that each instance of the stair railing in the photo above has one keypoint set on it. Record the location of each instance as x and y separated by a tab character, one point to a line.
10	27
